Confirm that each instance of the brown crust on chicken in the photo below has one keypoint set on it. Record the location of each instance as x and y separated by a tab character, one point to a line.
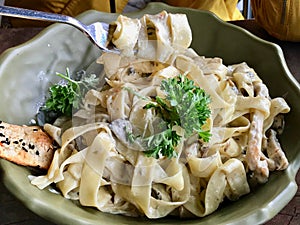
26	145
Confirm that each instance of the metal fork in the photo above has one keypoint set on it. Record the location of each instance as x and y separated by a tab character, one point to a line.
97	32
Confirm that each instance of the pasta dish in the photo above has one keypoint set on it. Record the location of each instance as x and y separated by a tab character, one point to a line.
111	153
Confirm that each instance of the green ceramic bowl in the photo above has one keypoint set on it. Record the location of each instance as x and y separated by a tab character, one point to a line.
25	74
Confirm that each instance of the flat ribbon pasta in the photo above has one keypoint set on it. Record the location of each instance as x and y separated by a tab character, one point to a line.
101	162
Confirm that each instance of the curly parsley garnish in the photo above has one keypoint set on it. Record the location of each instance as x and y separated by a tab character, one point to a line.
68	96
161	144
185	105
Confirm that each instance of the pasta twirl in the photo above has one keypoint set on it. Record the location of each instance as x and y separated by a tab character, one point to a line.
99	165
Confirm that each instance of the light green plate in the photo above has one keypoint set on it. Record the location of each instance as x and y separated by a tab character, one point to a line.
27	70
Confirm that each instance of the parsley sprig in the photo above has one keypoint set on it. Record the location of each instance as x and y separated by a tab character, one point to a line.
184	105
64	97
161	144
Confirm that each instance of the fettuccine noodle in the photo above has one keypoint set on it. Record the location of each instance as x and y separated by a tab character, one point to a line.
99	167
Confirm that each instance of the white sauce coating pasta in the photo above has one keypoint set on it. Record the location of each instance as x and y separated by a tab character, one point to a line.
99	167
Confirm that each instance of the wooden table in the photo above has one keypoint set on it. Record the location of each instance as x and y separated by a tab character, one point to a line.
13	212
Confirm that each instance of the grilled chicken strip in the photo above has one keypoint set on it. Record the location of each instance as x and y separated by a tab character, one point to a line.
26	145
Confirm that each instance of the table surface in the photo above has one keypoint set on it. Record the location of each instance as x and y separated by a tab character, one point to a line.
13	212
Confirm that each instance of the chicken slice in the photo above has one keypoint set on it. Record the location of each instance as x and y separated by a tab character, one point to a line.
26	145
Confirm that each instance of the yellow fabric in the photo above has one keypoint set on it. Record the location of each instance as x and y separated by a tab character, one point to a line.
280	19
225	9
67	7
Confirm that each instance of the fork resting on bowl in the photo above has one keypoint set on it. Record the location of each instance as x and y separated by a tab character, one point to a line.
97	32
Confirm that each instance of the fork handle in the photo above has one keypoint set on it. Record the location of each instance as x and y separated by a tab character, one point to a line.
38	15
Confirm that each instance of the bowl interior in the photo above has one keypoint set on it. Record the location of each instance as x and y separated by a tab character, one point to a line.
27	71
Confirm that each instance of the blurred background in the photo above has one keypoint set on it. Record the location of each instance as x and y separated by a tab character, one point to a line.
64	7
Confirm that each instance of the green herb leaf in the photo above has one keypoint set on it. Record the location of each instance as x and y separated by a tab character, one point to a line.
66	97
185	105
161	144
